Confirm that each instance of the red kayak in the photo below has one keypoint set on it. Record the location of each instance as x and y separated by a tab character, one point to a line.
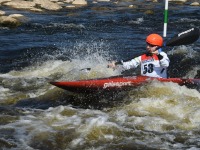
124	82
116	83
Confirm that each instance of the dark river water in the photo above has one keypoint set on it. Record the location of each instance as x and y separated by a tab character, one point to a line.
55	46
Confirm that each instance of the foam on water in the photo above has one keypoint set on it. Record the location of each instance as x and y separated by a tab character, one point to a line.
33	81
164	106
154	115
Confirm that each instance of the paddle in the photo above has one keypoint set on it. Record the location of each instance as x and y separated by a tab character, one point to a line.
184	38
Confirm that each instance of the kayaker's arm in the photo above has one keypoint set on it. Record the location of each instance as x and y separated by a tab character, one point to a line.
127	64
133	63
164	60
113	64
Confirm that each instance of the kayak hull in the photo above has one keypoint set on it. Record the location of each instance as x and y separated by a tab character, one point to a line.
116	83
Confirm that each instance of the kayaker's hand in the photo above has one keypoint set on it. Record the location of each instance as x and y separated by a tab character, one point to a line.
112	65
158	54
155	52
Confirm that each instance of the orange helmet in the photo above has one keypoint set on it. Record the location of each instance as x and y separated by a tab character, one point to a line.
154	39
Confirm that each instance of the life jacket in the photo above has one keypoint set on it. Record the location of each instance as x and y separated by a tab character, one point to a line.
150	66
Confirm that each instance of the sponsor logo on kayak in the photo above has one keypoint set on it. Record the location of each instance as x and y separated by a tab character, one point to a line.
116	84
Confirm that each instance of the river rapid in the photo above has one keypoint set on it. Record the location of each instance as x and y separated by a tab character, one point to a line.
54	46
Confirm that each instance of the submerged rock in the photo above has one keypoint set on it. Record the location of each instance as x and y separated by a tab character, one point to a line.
181	1
31	5
12	21
40	5
195	4
7	21
79	2
48	5
18	4
2	13
149	12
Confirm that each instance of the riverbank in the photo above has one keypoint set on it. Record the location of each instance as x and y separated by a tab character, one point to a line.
38	6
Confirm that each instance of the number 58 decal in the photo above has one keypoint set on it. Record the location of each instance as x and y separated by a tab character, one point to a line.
148	68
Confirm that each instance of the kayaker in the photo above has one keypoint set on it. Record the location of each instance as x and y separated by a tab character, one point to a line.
154	63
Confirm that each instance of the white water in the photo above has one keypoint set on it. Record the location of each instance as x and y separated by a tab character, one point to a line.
152	115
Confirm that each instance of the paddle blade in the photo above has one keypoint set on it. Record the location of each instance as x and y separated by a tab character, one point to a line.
184	38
